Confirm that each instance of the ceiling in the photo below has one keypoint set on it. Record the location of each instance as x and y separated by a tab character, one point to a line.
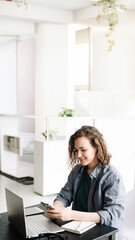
71	4
44	11
60	4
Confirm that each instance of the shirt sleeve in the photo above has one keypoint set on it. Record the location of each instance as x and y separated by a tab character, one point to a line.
113	201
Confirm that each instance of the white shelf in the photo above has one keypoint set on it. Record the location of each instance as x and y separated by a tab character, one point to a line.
21	145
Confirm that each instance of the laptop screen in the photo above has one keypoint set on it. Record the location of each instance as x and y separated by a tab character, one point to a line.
15	208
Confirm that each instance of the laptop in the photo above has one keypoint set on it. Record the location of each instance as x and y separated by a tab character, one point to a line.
29	226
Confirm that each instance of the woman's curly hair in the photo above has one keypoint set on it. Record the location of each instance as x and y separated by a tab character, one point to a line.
96	140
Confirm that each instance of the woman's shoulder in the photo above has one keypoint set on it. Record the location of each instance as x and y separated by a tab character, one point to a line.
77	168
111	172
76	171
111	168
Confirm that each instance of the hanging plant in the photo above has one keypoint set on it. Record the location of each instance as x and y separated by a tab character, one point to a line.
19	2
110	9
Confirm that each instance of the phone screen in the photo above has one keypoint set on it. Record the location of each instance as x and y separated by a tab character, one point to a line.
47	206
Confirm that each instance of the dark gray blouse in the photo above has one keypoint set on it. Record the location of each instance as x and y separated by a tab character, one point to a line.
106	195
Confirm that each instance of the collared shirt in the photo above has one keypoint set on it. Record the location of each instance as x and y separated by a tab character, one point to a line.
106	195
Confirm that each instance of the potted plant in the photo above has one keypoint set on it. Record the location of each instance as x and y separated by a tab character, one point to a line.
52	134
67	112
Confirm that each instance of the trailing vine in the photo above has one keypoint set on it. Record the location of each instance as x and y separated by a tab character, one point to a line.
21	2
110	9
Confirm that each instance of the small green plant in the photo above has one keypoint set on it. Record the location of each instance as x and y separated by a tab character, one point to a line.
67	112
52	134
110	9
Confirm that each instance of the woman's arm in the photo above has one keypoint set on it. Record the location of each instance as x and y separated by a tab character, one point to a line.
82	216
66	214
66	195
58	204
113	205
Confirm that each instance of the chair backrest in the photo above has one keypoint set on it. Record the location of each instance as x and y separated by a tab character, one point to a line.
129	213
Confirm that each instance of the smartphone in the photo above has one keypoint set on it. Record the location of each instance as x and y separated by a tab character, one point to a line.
47	206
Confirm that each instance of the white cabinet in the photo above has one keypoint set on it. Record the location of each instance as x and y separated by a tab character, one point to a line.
17	153
50	166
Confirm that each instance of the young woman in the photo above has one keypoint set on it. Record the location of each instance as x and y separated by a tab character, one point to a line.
94	186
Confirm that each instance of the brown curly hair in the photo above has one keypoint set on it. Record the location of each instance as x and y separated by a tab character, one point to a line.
96	140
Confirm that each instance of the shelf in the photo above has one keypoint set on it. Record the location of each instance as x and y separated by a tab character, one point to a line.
22	145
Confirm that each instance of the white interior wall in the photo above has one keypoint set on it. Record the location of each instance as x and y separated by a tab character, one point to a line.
25	83
8	89
105	104
113	85
15	27
113	71
16	83
10	31
25	73
119	135
51	68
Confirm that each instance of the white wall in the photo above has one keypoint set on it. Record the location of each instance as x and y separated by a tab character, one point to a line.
25	83
113	84
106	104
15	27
8	87
119	135
25	74
51	68
16	82
10	33
114	71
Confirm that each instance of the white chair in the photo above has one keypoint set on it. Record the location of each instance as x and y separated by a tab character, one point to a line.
129	215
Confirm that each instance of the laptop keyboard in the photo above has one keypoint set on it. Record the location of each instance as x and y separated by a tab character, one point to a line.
35	224
39	224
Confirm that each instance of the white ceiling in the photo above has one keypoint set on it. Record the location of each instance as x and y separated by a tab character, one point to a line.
71	4
60	4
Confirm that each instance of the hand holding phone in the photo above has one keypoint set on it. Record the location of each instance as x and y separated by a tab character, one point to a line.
47	206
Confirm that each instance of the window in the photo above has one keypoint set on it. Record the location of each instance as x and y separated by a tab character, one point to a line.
82	68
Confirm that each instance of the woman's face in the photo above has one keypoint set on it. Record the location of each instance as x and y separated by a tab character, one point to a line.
85	152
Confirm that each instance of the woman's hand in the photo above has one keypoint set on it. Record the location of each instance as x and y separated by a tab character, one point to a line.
67	214
64	214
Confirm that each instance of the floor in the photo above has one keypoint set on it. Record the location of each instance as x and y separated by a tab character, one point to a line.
25	191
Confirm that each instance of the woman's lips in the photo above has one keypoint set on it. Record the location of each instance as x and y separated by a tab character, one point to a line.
82	160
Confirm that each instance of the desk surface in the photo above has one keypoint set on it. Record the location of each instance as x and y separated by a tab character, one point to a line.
7	232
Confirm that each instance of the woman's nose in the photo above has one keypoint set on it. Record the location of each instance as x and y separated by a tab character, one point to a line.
79	154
